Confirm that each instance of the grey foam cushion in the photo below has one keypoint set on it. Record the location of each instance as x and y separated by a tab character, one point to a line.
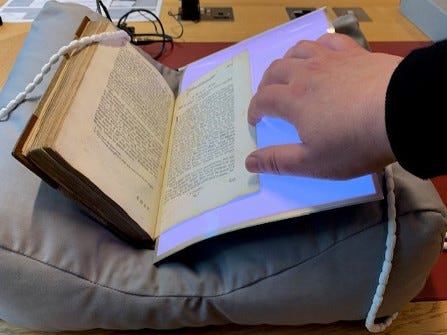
60	270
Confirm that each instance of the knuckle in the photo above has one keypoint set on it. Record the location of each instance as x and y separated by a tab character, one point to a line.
273	164
304	44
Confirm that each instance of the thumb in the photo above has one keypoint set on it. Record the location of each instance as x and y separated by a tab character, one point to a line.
281	159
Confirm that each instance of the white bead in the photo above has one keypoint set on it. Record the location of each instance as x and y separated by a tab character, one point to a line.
30	87
21	96
46	68
38	79
54	59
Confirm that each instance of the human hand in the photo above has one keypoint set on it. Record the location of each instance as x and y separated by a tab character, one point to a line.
333	92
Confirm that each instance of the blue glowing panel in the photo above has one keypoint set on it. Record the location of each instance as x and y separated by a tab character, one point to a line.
292	196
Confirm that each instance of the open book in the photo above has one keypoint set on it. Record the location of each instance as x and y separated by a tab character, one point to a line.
158	161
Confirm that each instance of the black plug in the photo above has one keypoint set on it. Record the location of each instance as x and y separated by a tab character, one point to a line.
129	29
190	10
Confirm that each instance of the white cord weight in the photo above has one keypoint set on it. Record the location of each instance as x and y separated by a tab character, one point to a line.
81	43
387	263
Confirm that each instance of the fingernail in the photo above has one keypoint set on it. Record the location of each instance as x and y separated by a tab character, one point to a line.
253	120
252	164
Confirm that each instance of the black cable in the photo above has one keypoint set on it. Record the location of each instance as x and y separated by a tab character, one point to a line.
176	18
100	5
143	38
146	38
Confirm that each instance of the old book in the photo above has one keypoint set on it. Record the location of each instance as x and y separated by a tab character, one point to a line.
153	163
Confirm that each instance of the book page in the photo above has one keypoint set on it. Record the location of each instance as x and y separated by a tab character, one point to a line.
279	197
117	130
209	143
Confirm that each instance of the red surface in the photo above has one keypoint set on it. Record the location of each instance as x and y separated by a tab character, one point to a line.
436	285
184	53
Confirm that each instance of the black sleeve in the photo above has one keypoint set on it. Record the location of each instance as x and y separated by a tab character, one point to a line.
415	109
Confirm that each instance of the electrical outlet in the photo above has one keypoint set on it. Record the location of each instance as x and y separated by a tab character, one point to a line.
358	12
294	12
216	14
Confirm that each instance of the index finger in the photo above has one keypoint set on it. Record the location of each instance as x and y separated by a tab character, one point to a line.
278	72
272	100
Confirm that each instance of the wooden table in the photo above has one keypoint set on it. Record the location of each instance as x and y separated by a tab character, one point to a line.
251	17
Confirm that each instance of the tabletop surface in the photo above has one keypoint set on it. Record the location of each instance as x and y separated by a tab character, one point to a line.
385	23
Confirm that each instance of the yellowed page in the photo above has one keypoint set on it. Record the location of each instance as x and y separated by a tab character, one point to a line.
210	140
116	131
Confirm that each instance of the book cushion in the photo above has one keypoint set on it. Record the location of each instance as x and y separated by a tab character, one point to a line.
61	270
